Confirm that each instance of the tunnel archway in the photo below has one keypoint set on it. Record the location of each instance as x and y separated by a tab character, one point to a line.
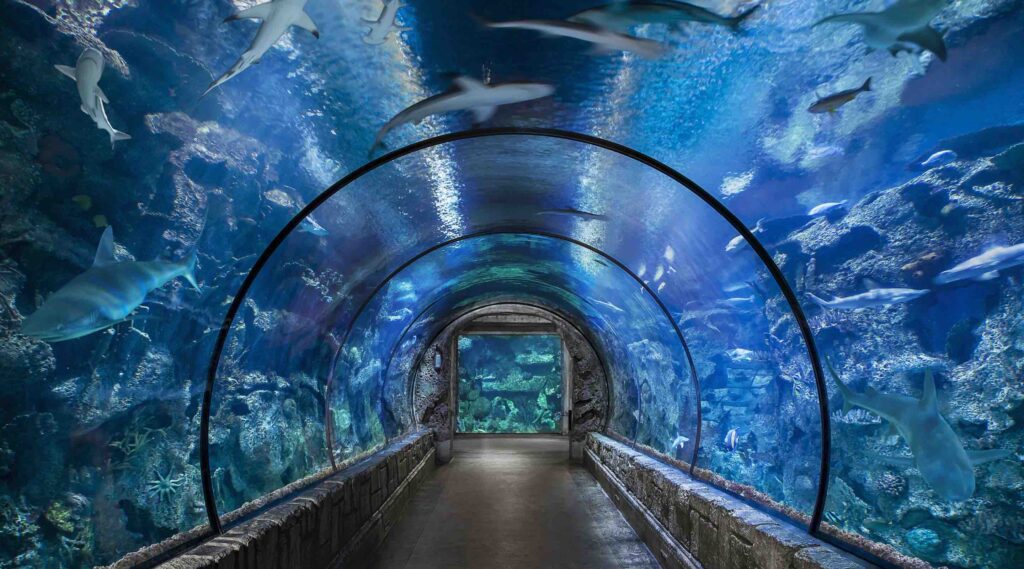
517	182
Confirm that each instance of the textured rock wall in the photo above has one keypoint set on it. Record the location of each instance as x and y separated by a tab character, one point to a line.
708	525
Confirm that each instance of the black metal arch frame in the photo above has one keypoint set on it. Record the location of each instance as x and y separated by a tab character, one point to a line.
710	200
509	232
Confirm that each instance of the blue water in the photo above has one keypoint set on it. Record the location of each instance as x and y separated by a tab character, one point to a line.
99	451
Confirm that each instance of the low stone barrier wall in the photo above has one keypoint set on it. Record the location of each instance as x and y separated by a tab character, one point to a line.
689	523
337	520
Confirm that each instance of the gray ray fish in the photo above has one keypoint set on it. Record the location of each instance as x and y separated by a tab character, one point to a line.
937	451
277	16
899	27
86	74
467	94
104	295
621	16
604	40
985	266
871	298
831	103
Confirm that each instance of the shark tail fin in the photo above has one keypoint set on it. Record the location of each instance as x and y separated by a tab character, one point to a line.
735	21
189	272
118	135
929	399
846	392
818	300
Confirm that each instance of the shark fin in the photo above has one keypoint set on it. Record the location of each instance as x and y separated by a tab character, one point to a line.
734	22
991	275
306	23
483	114
865	87
929	399
928	39
105	250
68	71
102	95
468	83
257	12
189	273
982	456
118	135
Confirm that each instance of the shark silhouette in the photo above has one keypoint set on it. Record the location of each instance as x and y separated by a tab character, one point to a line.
106	294
903	24
937	451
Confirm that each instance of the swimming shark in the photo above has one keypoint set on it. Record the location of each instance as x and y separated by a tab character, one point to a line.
277	16
621	16
604	40
571	211
827	208
309	225
384	25
985	266
831	103
467	94
104	295
903	24
937	451
870	299
86	74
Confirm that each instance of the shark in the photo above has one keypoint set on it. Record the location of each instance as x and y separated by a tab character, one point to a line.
382	27
106	294
573	212
276	17
309	225
984	267
937	451
467	94
904	24
827	208
621	16
86	74
604	40
870	299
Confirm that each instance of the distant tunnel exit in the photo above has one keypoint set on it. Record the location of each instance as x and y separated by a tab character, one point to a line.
510	383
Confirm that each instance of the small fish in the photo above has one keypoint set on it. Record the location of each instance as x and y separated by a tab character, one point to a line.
831	103
730	439
621	16
984	267
100	221
827	208
658	273
575	213
679	442
467	94
940	158
105	295
277	16
309	225
604	40
670	254
872	298
83	201
905	23
382	27
86	74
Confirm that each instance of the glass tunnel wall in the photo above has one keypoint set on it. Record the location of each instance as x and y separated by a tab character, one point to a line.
100	434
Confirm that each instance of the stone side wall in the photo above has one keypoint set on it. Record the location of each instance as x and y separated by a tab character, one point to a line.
330	524
688	523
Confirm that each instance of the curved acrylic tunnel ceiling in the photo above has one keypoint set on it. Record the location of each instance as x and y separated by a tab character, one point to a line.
557	219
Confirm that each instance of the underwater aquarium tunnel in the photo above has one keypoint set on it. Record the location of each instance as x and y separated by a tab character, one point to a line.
722	284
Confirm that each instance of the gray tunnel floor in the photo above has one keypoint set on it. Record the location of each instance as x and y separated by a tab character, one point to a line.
511	502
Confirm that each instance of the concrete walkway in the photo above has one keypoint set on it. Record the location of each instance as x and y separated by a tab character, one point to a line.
512	502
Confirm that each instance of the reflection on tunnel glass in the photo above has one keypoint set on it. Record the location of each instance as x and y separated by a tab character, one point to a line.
510	383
